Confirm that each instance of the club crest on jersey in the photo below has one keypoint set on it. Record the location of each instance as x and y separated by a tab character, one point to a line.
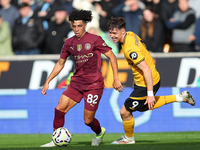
104	44
133	55
79	47
87	46
30	23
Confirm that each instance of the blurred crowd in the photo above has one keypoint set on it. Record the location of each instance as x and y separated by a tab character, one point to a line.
30	27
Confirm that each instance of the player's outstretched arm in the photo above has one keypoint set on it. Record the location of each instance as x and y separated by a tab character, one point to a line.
113	60
56	70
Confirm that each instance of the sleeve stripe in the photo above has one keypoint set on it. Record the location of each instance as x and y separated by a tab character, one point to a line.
139	61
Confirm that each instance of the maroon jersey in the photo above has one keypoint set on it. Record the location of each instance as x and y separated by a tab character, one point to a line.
87	57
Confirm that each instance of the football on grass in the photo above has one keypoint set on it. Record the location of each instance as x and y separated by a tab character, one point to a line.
61	136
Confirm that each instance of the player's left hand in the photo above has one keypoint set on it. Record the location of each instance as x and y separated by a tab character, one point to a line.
117	85
150	101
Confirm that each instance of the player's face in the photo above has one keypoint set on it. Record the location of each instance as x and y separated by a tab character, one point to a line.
79	28
117	35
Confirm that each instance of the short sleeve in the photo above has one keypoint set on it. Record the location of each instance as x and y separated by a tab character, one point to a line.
64	52
134	54
102	46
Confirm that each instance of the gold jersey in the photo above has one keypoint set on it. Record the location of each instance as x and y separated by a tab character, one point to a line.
135	52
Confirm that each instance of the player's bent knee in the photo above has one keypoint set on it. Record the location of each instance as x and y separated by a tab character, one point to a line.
122	113
125	113
60	108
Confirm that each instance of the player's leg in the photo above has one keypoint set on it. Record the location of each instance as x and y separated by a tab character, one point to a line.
92	98
135	102
94	124
64	105
68	99
183	97
128	125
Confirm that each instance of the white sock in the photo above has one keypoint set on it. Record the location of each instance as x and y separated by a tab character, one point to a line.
179	98
99	133
130	138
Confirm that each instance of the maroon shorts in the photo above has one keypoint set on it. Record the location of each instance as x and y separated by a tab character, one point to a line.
91	97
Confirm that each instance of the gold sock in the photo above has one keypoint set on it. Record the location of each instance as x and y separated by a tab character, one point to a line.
128	127
162	100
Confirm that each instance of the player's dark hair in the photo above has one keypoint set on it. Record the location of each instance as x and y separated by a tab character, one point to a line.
116	22
84	15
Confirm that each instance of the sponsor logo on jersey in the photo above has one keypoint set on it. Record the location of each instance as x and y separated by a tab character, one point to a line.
79	47
133	55
82	58
72	48
87	46
85	56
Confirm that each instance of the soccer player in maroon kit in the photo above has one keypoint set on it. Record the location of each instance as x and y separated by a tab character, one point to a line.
87	81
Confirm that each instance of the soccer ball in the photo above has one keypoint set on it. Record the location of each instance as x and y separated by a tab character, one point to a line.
62	136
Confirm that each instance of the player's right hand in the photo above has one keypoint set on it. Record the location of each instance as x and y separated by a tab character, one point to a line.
117	85
44	89
150	101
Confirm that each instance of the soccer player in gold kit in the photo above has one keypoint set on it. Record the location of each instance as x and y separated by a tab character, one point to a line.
146	79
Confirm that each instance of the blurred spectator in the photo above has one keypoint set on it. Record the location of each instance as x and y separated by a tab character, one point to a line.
88	5
108	41
104	8
196	36
57	32
40	2
32	3
155	4
28	32
9	12
15	3
68	6
5	39
182	24
46	11
168	7
132	14
152	31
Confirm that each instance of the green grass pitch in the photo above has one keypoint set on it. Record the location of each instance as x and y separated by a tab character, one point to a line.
144	141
